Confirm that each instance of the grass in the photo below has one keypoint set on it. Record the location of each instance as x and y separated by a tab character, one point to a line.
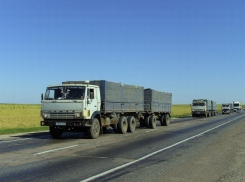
19	118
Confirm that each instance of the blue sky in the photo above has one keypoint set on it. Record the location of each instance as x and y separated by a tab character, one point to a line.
193	48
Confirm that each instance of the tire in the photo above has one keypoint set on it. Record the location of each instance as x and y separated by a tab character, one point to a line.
166	120
162	120
131	124
94	130
147	122
153	122
55	132
122	125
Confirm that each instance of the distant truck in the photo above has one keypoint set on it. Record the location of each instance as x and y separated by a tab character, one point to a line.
93	106
203	107
227	108
237	106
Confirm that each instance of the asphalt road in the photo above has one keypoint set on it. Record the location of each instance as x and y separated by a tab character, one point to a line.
189	149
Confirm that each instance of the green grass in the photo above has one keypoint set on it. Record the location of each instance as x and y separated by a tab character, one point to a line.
19	118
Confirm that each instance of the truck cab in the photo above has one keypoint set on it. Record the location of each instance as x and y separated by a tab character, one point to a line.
70	106
226	108
198	108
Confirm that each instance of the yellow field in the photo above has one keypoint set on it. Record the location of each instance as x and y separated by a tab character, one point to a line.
24	117
19	118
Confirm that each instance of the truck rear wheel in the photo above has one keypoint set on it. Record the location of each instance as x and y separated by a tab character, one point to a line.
153	122
94	130
162	120
147	121
55	132
131	124
122	125
166	120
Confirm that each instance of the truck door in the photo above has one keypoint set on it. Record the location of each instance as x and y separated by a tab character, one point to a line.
91	101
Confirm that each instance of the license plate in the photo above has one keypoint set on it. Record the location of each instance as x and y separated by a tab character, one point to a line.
60	123
198	112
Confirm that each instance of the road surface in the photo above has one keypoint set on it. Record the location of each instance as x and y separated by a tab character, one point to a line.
189	149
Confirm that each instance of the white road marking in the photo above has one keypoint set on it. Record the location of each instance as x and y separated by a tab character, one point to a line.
55	150
156	152
8	141
151	130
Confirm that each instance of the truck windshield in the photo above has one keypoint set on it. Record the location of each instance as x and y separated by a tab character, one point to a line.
198	104
225	105
65	92
236	105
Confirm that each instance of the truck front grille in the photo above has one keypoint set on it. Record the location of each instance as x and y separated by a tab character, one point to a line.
59	115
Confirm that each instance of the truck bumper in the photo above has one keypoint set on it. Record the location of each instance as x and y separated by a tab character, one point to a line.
66	123
198	113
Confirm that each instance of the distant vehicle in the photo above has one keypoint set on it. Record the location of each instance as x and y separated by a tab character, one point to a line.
93	106
227	108
237	106
203	107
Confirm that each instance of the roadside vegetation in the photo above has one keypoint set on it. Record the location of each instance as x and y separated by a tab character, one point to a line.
19	118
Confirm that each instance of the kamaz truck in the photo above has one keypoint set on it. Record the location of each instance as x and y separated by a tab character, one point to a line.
203	107
237	106
227	108
93	106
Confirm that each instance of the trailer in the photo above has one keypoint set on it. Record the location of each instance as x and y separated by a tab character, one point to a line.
93	106
203	107
156	104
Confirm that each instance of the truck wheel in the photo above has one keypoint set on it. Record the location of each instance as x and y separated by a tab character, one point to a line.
147	122
153	122
131	124
55	132
94	130
122	125
162	120
166	120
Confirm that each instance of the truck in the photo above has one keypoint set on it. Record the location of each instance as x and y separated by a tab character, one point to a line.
227	108
94	106
237	106
203	107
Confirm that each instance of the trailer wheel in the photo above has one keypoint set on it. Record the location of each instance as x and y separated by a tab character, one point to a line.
166	120
153	122
55	132
122	125
147	122
131	124
162	120
94	130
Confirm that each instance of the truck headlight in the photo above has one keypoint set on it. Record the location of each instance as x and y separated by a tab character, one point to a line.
78	115
46	115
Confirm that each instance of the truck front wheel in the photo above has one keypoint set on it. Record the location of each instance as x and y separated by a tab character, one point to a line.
55	132
94	130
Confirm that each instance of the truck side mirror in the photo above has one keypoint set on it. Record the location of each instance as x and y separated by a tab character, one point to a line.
41	97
